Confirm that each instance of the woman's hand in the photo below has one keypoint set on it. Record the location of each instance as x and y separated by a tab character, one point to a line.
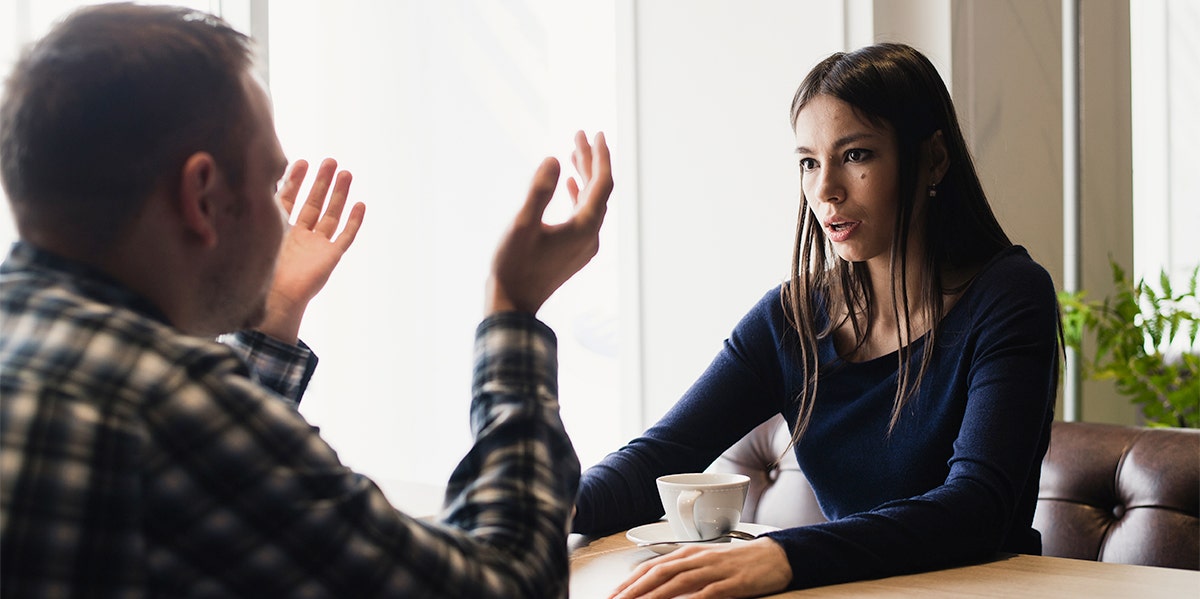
711	572
310	251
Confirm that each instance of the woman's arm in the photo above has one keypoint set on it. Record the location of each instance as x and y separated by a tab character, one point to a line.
741	388
990	490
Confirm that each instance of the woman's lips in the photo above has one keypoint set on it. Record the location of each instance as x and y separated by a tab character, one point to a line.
839	231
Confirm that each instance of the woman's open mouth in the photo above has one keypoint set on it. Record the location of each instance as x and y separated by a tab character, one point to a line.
840	231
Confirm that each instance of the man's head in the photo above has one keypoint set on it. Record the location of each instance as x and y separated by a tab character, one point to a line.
108	106
136	139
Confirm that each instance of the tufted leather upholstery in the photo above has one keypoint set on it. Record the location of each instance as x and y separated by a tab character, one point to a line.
1108	493
1121	494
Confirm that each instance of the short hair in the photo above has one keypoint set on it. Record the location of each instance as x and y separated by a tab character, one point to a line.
109	105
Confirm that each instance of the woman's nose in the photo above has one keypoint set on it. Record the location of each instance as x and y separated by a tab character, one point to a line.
825	185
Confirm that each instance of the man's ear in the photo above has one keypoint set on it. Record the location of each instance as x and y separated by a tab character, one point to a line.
198	183
939	158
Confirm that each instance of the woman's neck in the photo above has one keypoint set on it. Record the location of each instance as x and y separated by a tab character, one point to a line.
886	287
888	323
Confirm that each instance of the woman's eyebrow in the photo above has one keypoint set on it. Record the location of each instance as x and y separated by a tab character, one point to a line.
841	142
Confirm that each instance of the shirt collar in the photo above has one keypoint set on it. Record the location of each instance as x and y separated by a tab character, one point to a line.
83	279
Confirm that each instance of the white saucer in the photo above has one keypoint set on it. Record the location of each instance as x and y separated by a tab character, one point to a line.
661	531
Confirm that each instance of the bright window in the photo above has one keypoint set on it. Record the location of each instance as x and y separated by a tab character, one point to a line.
442	110
1165	47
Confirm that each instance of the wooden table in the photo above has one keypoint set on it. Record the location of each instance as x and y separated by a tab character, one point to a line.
599	565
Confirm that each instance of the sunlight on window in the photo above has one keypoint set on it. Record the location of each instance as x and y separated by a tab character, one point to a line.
442	111
1163	51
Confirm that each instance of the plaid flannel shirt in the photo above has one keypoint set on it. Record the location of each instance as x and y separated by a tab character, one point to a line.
137	461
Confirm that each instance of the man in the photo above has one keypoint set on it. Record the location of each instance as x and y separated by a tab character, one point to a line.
141	458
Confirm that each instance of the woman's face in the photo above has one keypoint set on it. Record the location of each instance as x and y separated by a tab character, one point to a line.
849	174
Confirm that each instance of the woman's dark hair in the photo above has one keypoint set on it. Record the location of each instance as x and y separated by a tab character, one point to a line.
893	86
109	105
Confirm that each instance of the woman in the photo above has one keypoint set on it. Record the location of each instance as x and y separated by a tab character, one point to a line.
913	353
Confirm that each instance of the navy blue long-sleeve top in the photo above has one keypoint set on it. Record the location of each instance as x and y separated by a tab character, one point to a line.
957	479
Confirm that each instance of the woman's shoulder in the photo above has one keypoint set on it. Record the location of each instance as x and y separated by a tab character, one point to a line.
1013	270
768	316
1011	280
771	307
775	304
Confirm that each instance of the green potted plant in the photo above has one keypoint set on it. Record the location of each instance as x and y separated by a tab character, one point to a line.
1145	341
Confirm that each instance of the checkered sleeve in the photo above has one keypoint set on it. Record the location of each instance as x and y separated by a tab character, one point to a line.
246	499
282	367
517	485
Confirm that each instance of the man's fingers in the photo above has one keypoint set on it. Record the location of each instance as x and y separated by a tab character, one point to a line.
601	162
541	190
333	210
582	157
573	189
600	185
311	211
353	223
290	188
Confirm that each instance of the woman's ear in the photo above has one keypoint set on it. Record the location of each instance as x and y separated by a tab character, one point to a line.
939	158
197	202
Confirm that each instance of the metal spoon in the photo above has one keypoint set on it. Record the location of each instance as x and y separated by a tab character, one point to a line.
733	534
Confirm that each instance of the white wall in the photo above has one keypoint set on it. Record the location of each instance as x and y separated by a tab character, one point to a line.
925	24
718	183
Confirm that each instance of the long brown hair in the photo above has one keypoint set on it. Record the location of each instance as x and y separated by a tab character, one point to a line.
893	85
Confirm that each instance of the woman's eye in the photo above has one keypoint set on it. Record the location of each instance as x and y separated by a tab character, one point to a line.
807	164
857	155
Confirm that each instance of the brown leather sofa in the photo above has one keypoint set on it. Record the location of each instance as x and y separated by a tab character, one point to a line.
1108	493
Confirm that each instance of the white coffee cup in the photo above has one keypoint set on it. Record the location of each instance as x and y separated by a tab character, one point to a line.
703	505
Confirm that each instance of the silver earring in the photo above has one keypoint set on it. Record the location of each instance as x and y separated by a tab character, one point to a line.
933	190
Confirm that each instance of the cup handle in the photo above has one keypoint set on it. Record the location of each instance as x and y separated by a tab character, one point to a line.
686	504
